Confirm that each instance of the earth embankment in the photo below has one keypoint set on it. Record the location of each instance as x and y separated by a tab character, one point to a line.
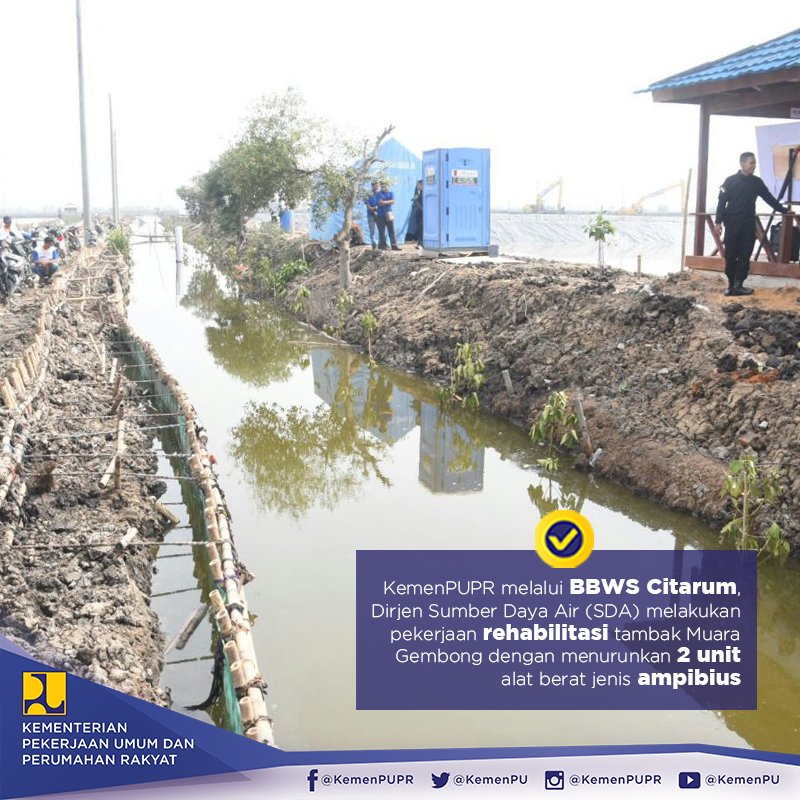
75	556
677	380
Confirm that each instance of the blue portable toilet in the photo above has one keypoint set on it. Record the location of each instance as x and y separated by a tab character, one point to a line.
455	199
403	168
286	218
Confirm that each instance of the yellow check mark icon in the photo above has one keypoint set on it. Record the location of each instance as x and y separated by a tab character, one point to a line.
562	544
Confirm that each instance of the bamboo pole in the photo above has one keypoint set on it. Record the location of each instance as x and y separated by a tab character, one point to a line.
109	471
164	511
16	382
9	401
224	623
120	447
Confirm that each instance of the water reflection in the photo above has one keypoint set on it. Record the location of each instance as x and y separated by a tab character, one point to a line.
449	460
252	341
297	458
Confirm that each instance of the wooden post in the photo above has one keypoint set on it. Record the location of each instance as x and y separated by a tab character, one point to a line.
103	359
8	395
787	234
583	430
224	622
639	265
120	446
702	178
16	382
685	218
113	370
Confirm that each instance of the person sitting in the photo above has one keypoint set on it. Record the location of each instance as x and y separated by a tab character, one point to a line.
45	260
6	233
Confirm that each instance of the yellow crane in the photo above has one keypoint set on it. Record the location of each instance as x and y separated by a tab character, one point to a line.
638	205
539	204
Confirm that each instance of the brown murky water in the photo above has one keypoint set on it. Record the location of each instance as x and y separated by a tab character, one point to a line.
321	455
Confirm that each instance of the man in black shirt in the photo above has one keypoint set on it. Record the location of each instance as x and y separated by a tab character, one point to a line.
736	209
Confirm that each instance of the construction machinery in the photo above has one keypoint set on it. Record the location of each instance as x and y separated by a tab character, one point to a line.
638	205
538	206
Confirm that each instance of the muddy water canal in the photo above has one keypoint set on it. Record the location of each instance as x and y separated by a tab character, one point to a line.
321	455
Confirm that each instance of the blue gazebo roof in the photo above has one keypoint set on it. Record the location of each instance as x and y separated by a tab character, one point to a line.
775	54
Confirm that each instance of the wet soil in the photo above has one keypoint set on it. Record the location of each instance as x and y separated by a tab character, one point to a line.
677	380
70	594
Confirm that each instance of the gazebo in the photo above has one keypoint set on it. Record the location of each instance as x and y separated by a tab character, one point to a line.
760	81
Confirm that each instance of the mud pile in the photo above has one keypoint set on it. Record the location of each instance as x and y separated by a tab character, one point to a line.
70	593
677	380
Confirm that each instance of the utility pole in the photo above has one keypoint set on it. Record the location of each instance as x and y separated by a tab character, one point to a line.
87	210
114	197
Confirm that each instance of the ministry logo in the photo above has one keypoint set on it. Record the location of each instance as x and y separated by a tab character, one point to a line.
44	694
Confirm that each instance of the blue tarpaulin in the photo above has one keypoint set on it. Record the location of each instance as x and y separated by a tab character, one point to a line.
403	169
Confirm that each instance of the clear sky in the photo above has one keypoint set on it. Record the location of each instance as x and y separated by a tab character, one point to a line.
548	86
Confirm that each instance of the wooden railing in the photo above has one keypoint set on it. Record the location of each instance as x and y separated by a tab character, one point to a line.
784	254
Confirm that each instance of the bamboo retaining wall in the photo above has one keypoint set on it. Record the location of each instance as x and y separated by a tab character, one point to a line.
21	381
245	687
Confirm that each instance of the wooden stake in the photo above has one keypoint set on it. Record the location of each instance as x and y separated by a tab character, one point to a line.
164	511
120	447
103	482
128	538
26	377
583	430
216	601
16	382
246	711
9	401
224	622
113	370
189	627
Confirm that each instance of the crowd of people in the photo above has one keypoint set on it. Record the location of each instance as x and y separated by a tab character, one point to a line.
43	253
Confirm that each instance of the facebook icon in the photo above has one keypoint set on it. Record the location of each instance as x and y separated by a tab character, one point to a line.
312	780
689	780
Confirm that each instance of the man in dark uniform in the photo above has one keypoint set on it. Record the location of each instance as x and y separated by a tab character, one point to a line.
736	209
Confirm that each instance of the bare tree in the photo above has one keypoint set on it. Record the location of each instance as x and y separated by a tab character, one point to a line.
340	186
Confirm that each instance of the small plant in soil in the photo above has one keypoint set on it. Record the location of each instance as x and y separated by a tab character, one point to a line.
370	324
600	229
556	429
466	376
344	302
299	306
753	492
119	242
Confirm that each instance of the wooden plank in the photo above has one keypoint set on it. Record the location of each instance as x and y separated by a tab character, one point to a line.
761	237
779	95
773	270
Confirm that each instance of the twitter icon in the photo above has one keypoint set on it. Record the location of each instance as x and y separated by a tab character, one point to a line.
440	781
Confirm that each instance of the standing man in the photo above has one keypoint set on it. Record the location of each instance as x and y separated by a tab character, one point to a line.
372	213
386	217
736	209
